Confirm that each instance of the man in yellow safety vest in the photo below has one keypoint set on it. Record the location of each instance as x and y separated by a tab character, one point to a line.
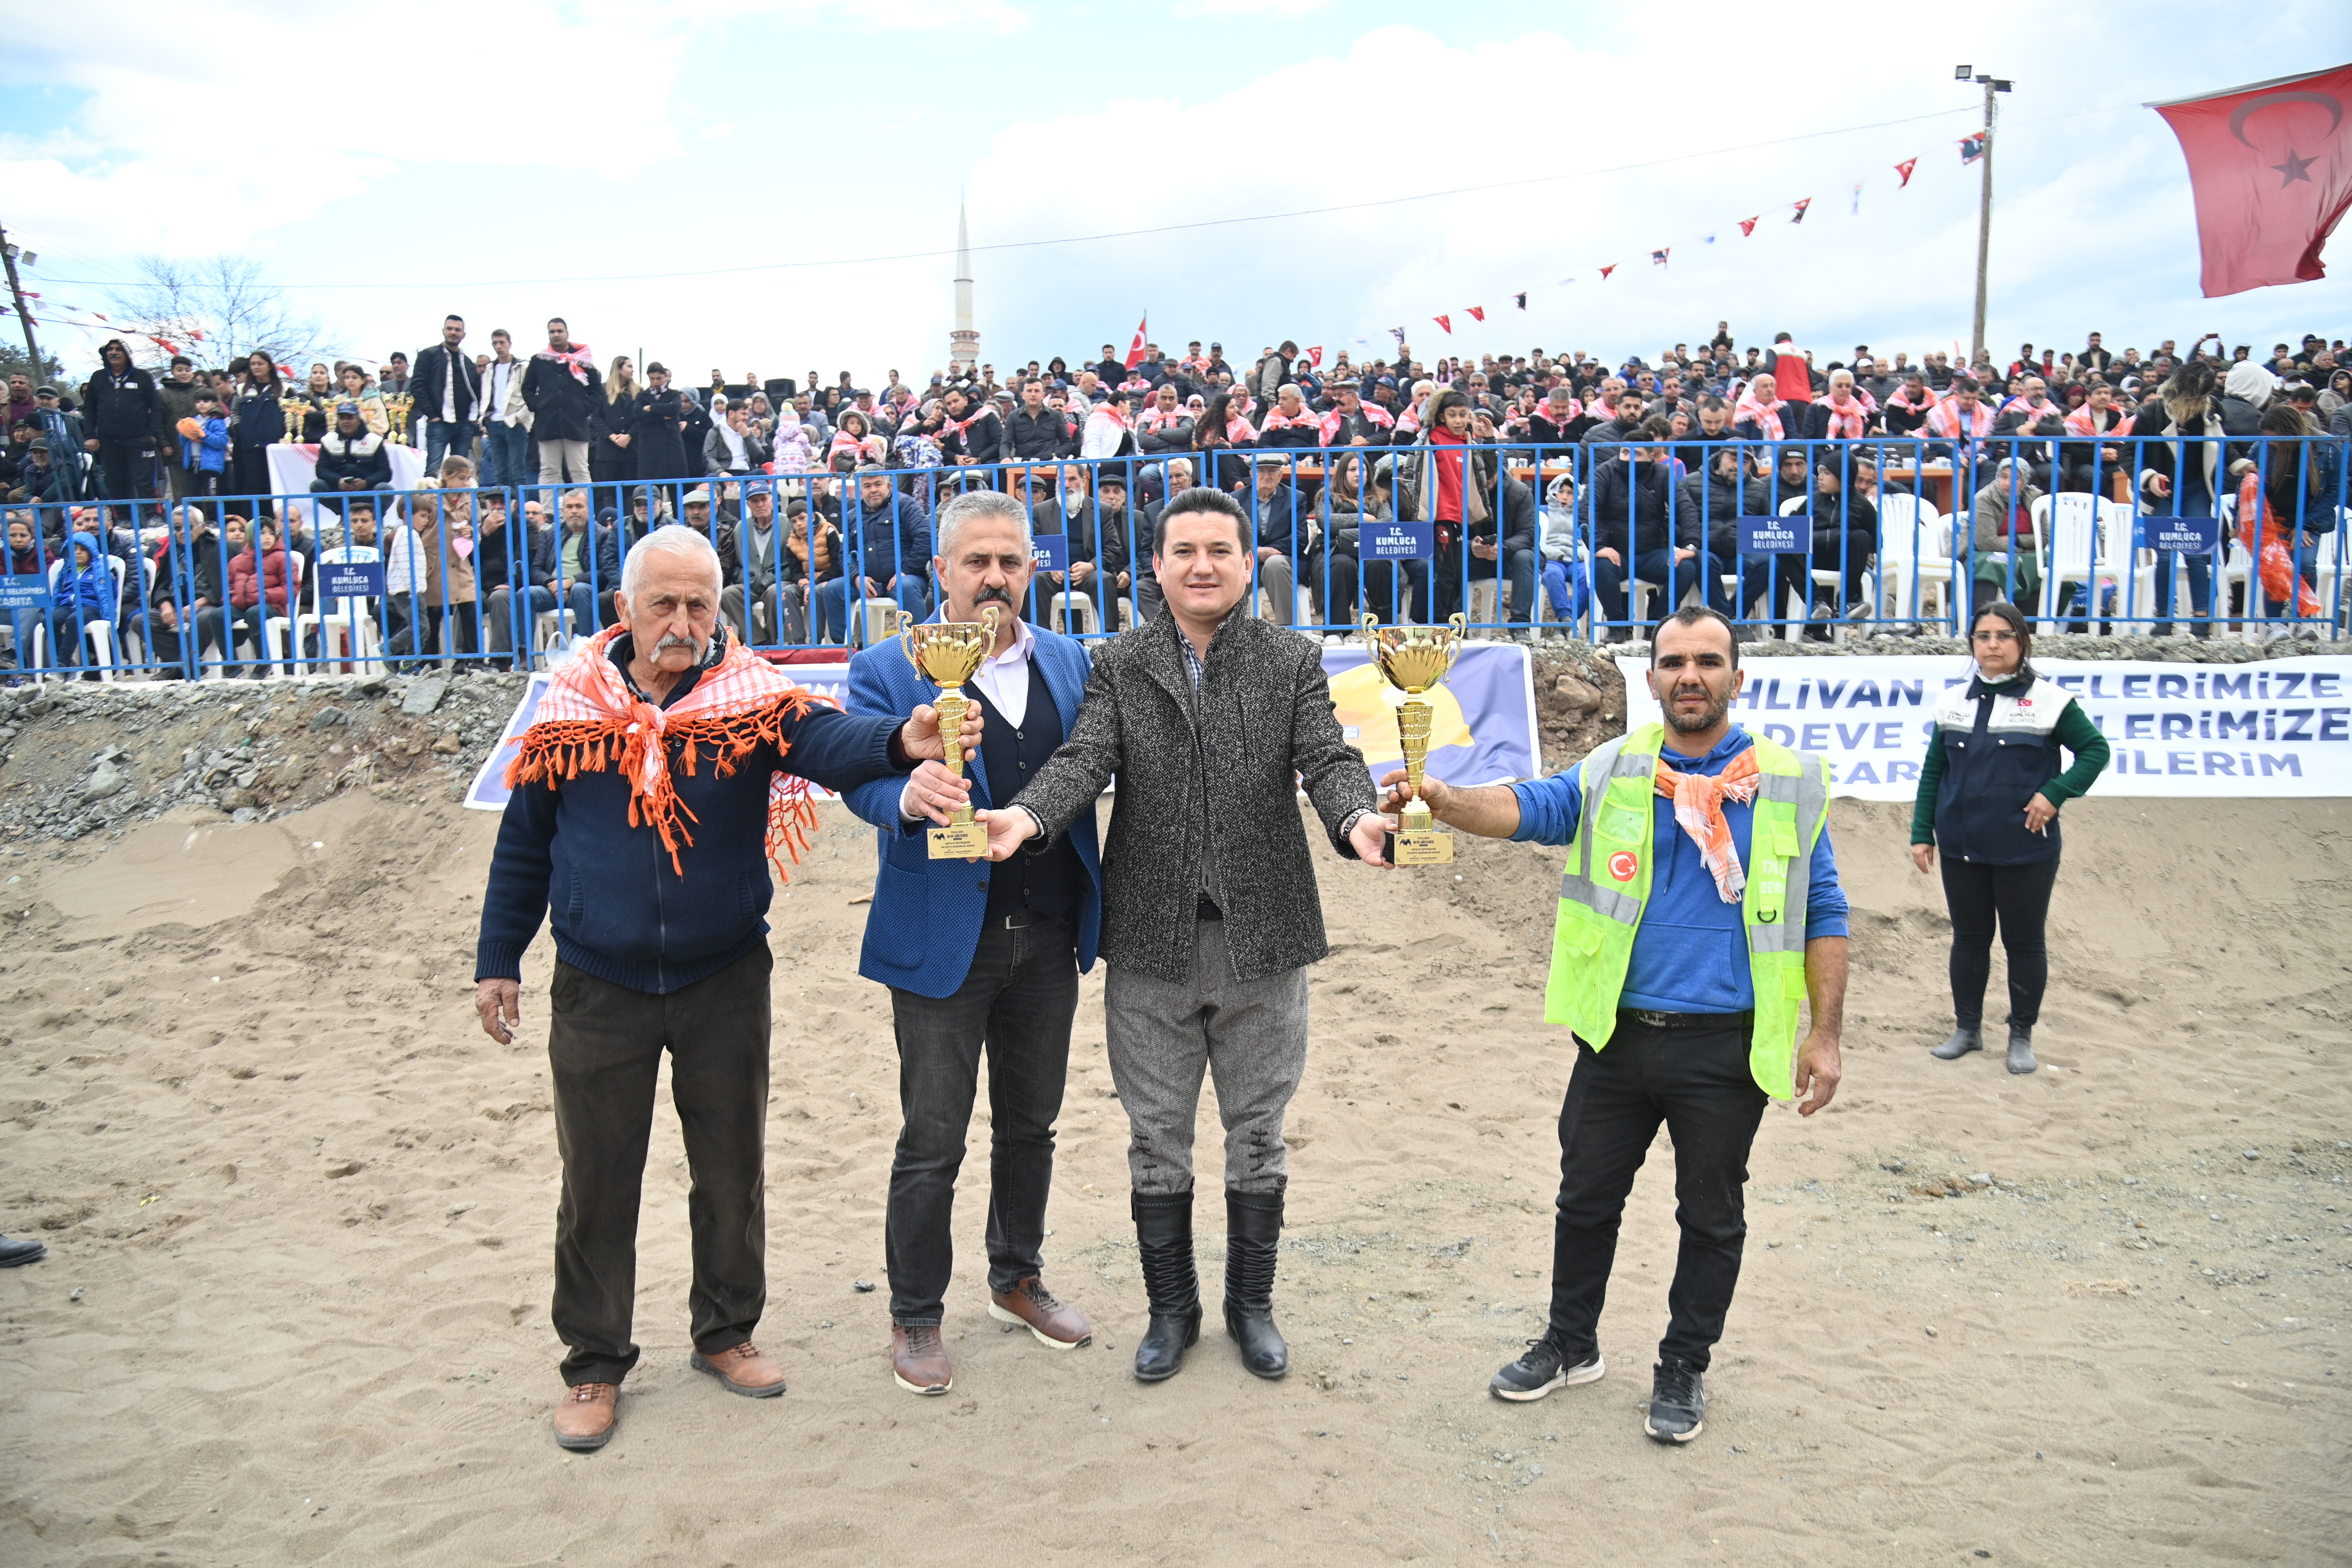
1699	906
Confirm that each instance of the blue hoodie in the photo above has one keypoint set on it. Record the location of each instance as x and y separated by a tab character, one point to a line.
87	592
210	454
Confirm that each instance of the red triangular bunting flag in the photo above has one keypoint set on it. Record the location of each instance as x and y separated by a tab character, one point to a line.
1904	168
1607	270
1478	312
1446	321
1315	356
1747	225
1801	210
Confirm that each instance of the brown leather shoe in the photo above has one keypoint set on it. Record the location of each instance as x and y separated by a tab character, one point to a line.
918	1359
1029	1305
743	1369
585	1419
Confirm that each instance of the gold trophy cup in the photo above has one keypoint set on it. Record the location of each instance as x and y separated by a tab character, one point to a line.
947	653
396	409
1415	659
297	411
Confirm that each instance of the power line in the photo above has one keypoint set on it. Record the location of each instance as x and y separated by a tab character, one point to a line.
1119	233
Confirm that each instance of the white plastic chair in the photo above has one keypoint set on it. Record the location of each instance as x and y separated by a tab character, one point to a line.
878	619
276	629
1915	548
2066	536
348	622
2330	562
552	626
1065	605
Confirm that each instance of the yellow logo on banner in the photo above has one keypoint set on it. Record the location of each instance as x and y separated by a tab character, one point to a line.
1367	708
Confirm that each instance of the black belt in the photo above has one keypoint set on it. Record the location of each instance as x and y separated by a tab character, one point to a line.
1745	1021
1021	920
1205	908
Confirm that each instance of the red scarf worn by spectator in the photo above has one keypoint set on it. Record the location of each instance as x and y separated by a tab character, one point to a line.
1848	419
581	362
1944	420
2081	423
1698	808
588	718
1765	415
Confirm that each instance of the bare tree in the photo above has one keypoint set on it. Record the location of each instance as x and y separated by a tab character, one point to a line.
212	309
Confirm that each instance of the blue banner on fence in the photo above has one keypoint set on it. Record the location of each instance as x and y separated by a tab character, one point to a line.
1397	540
1775	535
1049	552
25	592
350	579
2197	535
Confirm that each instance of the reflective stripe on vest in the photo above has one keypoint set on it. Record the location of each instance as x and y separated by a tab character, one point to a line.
1593	939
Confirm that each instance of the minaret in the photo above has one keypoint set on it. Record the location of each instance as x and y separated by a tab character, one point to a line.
964	343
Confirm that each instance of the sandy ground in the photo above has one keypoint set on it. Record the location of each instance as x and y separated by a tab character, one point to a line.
299	1213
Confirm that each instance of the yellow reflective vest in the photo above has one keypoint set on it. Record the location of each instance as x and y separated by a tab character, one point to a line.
1606	884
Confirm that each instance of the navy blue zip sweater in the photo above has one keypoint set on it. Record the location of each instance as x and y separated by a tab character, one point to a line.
616	908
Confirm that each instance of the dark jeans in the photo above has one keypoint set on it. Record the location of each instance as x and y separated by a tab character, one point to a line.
2018	896
604	1048
441	439
1017	1002
507	457
1697	1082
1673	578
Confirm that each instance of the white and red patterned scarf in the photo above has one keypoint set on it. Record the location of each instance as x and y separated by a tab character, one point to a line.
1902	399
1944	420
1766	415
588	718
581	362
1848	420
2080	423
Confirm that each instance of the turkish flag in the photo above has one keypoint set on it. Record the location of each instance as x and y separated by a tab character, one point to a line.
1135	349
1748	226
1446	321
1478	312
1903	169
1315	356
2271	167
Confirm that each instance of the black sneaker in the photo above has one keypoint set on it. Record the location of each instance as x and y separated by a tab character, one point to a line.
1677	1402
1545	1367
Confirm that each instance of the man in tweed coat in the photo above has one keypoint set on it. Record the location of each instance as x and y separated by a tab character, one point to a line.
1210	910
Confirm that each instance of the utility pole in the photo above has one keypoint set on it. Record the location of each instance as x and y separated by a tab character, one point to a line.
24	311
1991	84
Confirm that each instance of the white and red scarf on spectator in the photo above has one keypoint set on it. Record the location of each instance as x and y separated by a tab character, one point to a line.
1304	420
1239	432
952	429
590	718
1902	399
2081	423
1944	420
1848	420
1559	416
582	362
1698	809
1765	415
1158	418
1327	427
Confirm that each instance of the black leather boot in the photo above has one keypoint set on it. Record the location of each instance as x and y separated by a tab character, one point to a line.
1163	1234
1253	1241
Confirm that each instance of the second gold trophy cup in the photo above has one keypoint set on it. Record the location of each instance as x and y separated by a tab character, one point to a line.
947	653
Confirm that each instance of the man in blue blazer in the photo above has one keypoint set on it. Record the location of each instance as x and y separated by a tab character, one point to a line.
978	953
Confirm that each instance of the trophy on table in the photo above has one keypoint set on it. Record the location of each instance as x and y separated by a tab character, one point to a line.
297	411
395	408
947	652
1415	659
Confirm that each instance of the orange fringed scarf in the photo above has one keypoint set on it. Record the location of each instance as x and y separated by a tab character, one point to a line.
1698	807
590	718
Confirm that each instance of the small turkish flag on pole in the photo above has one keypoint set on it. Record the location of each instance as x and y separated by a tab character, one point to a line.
1135	349
2271	168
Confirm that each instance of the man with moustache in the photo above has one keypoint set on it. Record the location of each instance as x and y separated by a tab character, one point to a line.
1720	839
1210	719
978	957
667	761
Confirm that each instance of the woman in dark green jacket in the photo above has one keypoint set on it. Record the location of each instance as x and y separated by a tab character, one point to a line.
1988	795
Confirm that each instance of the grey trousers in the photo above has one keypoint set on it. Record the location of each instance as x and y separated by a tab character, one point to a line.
1251	1033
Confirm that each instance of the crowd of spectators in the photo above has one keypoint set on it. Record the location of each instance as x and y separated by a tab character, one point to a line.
1560	475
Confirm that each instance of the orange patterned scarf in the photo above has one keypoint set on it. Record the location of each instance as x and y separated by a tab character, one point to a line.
1698	807
590	718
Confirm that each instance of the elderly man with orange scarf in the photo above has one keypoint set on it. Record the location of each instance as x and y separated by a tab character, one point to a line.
665	764
1700	904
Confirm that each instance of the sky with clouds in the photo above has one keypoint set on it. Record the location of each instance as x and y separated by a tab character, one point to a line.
772	184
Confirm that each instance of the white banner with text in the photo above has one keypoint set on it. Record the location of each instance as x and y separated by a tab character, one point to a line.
2277	727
